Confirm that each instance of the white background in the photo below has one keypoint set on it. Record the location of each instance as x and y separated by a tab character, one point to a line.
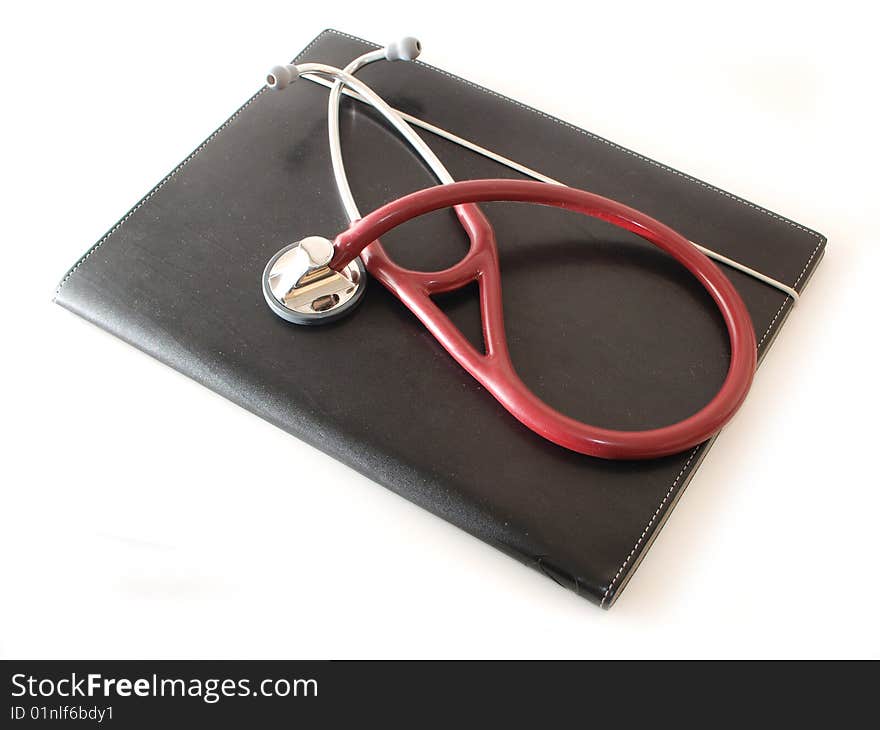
136	517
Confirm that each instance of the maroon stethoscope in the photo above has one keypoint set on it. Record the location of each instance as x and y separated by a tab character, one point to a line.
316	280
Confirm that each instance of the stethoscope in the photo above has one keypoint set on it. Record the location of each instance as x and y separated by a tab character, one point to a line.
315	280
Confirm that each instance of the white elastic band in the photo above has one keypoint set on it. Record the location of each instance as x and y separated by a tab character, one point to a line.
440	171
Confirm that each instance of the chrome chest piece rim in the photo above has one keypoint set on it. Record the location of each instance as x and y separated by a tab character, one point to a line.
300	287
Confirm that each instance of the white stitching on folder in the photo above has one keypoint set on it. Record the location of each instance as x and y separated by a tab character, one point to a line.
693	453
648	526
785	301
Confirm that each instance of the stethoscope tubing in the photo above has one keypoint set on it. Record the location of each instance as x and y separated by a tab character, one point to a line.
494	368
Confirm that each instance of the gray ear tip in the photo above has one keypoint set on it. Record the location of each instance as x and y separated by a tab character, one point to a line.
405	49
280	77
411	48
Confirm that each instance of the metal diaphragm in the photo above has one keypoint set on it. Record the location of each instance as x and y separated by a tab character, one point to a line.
299	285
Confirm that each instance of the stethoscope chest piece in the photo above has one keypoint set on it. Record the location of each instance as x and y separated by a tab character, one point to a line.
300	287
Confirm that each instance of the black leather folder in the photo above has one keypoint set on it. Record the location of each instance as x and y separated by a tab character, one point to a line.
601	325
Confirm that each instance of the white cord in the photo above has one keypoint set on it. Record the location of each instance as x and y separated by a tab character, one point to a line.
345	82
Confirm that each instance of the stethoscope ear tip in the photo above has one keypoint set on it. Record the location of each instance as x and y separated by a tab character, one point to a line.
300	287
280	77
405	49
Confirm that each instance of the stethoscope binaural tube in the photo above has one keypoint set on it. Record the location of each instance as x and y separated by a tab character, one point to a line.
405	49
282	76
